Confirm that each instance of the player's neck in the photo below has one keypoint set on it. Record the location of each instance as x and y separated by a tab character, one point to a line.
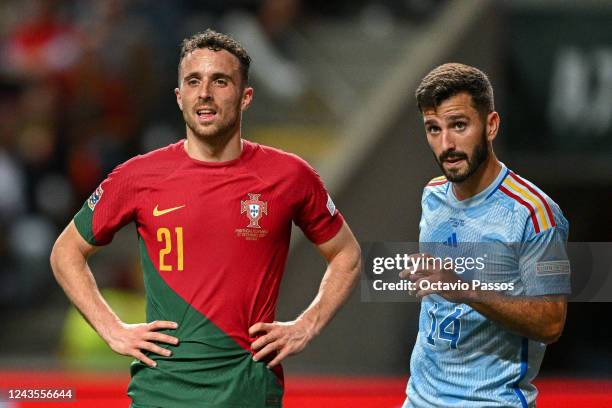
214	150
480	180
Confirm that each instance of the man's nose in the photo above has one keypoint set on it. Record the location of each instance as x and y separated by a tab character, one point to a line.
448	141
205	91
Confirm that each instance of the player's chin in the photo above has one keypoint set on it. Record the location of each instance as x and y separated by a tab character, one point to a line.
206	131
456	175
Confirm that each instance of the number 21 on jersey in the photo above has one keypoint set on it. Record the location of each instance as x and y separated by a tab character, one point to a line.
449	328
165	236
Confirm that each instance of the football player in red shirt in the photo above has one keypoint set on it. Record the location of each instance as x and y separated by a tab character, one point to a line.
213	214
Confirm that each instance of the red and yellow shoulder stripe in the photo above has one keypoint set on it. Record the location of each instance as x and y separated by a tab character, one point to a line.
437	181
529	197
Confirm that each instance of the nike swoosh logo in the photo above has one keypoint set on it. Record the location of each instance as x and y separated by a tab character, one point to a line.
158	213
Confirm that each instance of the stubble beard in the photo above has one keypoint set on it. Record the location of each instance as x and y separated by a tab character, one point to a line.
479	155
213	133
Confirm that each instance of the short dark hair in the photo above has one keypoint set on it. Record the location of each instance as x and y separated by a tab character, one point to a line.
450	79
216	41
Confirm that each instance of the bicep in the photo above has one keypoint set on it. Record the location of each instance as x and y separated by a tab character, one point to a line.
72	241
343	242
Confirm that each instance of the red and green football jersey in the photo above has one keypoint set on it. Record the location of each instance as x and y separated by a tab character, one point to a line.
213	241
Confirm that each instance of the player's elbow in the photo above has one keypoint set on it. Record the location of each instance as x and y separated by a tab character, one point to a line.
57	253
349	257
552	332
356	257
356	261
66	253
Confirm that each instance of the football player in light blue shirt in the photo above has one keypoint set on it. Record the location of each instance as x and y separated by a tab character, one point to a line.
476	347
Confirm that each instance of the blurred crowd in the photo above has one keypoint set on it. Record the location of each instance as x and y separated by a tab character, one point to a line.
79	83
84	85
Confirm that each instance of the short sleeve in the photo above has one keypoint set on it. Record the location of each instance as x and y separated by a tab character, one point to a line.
109	208
544	264
317	215
424	210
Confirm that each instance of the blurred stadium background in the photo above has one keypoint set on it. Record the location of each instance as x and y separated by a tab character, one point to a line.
84	85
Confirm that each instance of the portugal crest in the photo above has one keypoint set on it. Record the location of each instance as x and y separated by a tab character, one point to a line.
254	209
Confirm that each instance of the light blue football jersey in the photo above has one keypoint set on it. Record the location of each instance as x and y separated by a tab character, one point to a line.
462	359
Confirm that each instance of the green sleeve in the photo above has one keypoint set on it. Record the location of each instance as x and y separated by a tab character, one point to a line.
84	223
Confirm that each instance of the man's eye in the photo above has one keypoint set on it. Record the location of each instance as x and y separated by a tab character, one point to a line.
433	129
221	81
460	125
193	82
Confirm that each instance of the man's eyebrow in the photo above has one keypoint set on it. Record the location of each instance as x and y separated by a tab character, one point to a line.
430	122
190	75
457	116
214	75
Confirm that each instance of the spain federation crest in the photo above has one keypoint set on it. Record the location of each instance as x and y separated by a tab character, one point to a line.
254	209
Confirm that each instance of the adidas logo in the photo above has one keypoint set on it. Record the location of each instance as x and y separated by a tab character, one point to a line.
451	241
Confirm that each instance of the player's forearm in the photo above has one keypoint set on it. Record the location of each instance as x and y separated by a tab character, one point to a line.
337	283
539	318
72	273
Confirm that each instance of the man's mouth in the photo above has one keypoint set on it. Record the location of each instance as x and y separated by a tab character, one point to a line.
454	161
205	114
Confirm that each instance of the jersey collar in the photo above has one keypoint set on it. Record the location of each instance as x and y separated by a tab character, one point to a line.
480	197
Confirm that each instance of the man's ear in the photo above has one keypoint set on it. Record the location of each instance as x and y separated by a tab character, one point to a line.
179	100
247	98
493	122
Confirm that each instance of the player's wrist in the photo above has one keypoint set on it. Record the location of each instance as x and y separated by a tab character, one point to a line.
468	296
475	296
309	325
109	331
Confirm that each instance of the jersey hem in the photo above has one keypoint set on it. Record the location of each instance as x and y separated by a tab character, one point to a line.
204	405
